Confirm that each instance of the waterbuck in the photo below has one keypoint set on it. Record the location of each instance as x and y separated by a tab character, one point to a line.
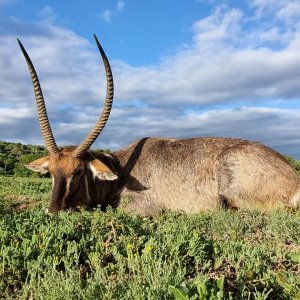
157	174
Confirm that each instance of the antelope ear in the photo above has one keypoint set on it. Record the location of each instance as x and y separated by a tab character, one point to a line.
102	171
40	165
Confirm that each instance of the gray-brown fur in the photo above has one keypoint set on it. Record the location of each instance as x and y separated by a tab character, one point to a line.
154	175
191	175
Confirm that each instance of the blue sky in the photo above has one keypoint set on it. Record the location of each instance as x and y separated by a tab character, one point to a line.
181	68
140	32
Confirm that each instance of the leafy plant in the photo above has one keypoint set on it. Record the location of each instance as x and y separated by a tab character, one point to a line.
203	290
113	255
290	284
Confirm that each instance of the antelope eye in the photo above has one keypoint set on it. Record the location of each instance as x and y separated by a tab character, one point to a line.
77	172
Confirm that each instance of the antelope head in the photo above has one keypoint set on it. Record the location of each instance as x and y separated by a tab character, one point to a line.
70	167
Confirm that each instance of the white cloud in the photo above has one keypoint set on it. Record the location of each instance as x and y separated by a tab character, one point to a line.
223	24
107	14
8	116
120	5
289	12
47	15
277	128
193	92
285	10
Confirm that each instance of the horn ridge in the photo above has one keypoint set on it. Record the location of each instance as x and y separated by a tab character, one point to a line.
94	133
41	107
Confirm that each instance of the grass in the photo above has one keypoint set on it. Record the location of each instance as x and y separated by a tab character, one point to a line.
113	255
21	192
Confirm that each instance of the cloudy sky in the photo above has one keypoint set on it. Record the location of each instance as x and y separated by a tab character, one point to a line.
182	68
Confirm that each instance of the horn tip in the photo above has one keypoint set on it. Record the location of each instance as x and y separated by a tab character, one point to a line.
21	46
19	41
95	37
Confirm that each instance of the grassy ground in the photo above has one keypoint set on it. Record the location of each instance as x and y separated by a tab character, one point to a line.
95	255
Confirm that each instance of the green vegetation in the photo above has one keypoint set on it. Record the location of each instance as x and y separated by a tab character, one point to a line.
295	163
113	255
13	156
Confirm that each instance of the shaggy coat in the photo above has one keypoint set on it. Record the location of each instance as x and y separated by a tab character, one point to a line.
188	175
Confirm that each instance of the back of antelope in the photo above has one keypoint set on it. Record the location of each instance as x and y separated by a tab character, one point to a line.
155	174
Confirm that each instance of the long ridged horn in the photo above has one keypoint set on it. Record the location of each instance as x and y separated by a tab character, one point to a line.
94	133
41	108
